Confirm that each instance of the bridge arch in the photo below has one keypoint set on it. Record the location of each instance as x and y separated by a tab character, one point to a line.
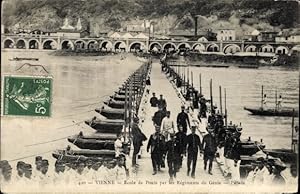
21	43
107	45
250	48
213	47
183	46
282	50
33	44
266	49
80	44
156	45
8	43
92	44
231	48
295	49
120	46
49	44
199	47
137	45
169	45
67	45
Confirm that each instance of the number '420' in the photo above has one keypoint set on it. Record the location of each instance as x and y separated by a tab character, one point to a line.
40	109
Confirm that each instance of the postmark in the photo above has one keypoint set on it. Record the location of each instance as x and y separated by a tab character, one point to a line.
27	96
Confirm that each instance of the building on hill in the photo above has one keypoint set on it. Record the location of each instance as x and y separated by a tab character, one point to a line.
226	34
202	35
288	36
267	36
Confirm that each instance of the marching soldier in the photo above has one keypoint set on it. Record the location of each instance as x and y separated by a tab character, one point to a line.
181	139
153	100
193	143
38	164
172	152
158	117
209	146
6	169
183	119
167	125
162	103
137	138
156	143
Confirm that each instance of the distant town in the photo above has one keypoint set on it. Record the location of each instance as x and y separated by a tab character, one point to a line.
141	36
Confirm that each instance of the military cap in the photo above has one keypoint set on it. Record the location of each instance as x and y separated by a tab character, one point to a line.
45	162
182	106
38	158
3	163
136	119
59	163
20	164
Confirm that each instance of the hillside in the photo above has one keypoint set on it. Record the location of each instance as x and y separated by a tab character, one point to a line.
167	14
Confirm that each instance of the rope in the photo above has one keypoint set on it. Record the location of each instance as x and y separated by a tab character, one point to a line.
40	143
30	156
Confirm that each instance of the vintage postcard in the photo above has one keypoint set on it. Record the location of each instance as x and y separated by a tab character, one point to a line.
149	96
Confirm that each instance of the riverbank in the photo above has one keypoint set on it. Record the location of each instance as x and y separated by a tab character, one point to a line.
261	59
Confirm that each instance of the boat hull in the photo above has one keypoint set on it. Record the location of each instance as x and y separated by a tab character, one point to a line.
271	112
92	144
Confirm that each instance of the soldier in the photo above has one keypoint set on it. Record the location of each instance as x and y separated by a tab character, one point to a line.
94	171
167	126
203	107
183	119
118	145
181	139
58	176
153	100
193	143
137	138
38	163
162	103
209	146
20	171
81	172
44	177
6	173
156	143
172	152
27	172
158	117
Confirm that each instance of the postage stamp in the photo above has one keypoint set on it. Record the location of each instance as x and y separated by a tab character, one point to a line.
27	96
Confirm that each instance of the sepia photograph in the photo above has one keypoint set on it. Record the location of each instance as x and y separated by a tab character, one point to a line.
149	96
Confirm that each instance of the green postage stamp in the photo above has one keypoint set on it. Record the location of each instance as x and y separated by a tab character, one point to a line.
27	96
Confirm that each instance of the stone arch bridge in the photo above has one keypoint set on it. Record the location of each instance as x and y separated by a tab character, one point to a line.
42	42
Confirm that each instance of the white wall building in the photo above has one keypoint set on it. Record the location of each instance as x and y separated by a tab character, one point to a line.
226	34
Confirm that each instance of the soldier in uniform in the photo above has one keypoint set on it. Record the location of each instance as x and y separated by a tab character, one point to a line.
27	168
167	126
38	164
209	146
137	138
162	103
94	171
153	100
20	171
172	152
58	176
181	139
158	116
156	143
44	177
193	143
183	119
6	173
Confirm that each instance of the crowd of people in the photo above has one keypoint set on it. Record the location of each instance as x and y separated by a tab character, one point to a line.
65	172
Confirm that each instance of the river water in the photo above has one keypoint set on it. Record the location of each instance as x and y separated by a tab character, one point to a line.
82	83
243	89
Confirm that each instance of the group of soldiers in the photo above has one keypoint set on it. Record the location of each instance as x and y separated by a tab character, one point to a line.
174	145
65	172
